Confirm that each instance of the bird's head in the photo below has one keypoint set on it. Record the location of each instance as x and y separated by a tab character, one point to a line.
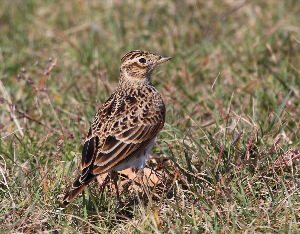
138	65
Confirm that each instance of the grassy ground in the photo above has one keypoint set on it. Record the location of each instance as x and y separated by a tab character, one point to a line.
233	109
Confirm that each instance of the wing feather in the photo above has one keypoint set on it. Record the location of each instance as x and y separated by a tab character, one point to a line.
111	143
128	134
88	151
126	151
126	147
105	158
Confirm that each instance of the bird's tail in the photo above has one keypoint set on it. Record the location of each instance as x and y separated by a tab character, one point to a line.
77	187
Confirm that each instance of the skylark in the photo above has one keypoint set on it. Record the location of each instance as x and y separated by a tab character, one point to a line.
126	125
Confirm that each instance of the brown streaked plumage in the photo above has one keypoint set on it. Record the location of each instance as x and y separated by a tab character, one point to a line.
125	126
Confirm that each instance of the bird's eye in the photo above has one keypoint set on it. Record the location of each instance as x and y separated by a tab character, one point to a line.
142	60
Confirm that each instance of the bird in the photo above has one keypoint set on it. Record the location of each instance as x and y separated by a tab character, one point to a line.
125	127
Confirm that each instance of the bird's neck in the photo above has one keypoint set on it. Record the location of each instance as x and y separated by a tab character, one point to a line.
129	80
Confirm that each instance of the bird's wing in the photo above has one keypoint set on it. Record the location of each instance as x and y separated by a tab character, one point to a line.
116	148
122	133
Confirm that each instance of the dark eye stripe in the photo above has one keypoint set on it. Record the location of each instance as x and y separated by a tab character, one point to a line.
137	64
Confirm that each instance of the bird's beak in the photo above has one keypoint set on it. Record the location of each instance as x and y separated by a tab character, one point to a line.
163	59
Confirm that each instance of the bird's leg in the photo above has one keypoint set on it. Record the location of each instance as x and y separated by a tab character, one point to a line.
140	177
139	174
115	177
104	183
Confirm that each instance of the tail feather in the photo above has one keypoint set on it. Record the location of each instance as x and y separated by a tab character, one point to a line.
77	187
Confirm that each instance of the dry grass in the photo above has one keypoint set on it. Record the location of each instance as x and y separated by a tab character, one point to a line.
233	108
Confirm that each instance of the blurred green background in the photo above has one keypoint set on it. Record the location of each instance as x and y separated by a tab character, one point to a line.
232	97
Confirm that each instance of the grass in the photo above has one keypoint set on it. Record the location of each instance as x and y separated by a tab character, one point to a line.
232	127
